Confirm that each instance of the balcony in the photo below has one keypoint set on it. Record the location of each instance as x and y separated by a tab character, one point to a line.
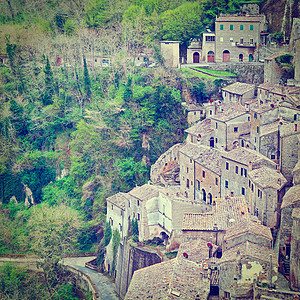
246	45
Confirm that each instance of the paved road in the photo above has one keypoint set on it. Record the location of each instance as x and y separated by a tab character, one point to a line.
102	283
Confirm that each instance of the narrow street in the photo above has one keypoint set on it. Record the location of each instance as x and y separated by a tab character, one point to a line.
103	284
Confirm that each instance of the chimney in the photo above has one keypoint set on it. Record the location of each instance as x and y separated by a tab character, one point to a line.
250	166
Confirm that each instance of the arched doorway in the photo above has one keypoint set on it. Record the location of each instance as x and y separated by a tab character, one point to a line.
250	57
209	199
203	195
226	56
211	142
196	58
210	56
241	57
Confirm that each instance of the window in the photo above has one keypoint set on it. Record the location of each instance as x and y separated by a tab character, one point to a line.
138	202
235	129
255	115
237	170
187	170
128	203
210	112
111	222
227	166
198	185
272	156
187	183
231	27
138	217
217	181
257	129
226	184
221	27
258	193
216	140
252	187
241	27
295	117
251	27
248	118
242	171
255	140
241	41
112	207
245	172
210	38
203	174
221	39
227	295
243	191
251	41
191	160
249	183
216	125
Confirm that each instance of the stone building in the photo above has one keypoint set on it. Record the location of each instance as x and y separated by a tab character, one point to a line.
212	226
172	279
170	53
237	37
238	92
272	71
194	52
244	264
195	113
200	172
266	190
295	247
229	123
201	133
209	47
236	166
291	201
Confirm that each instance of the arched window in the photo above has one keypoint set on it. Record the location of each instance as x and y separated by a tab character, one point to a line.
241	57
250	57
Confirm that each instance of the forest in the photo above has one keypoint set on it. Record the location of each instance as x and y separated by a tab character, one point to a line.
71	133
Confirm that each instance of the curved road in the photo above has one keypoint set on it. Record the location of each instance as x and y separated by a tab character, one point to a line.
103	284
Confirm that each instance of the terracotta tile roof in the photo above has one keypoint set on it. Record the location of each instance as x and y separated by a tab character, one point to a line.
296	213
197	250
291	197
248	249
246	226
202	128
239	88
118	199
245	155
274	55
193	107
231	18
191	150
226	211
268	86
264	107
251	101
211	159
267	178
230	111
269	128
169	280
144	192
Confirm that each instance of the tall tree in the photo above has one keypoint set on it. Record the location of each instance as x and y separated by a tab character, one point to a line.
49	84
87	80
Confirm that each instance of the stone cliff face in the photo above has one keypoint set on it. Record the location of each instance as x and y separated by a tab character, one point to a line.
280	14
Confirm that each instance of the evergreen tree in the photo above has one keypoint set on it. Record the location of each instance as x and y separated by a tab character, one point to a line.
87	80
128	91
49	84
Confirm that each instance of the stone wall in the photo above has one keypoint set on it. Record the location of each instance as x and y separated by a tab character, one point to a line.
246	72
130	259
262	293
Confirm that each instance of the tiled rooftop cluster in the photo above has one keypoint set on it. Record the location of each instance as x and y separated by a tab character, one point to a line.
225	213
239	88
